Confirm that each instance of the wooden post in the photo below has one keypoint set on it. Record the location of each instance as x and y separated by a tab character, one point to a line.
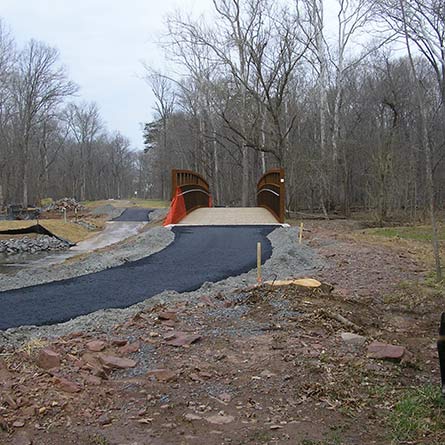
258	262
64	214
300	235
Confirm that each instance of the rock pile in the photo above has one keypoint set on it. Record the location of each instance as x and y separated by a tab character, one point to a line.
70	204
32	245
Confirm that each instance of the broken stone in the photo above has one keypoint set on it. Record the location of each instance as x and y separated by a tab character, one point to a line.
96	345
219	419
67	386
182	339
18	424
93	380
161	375
191	417
104	419
119	342
130	348
353	339
48	359
167	315
225	397
384	351
110	361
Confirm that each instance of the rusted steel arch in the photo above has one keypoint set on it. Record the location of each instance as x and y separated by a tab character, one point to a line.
193	187
190	191
271	193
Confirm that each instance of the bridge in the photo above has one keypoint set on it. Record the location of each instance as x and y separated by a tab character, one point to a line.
192	202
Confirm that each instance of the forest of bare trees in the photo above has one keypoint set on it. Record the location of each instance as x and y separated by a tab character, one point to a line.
50	144
352	107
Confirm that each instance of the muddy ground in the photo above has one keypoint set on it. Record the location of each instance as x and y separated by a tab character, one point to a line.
256	365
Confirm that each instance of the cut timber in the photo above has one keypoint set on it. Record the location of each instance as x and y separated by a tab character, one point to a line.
304	282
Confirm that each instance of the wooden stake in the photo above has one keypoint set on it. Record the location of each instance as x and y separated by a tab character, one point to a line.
258	262
300	235
64	214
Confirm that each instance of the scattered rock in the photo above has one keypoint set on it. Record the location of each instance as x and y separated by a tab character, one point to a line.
384	351
113	362
93	380
162	375
96	345
167	315
219	419
48	359
67	385
182	339
353	339
130	348
18	424
104	419
191	417
119	342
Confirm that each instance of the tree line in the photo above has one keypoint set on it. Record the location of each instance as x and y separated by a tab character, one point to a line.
52	145
351	108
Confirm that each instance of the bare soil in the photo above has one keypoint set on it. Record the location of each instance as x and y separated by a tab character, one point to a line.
261	365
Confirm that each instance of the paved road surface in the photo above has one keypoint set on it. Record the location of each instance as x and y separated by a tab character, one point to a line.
197	255
136	214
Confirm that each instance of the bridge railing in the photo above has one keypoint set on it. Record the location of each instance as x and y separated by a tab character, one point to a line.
193	188
190	191
271	193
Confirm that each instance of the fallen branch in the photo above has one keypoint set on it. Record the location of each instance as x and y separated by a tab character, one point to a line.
341	319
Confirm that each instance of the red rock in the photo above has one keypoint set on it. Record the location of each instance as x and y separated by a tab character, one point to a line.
168	323
380	350
96	345
113	362
66	385
182	339
104	419
167	315
130	347
162	375
48	359
119	342
93	380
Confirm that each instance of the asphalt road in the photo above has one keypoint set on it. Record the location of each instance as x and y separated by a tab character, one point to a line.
197	255
136	214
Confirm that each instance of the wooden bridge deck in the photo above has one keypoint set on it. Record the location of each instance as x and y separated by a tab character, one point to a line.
226	216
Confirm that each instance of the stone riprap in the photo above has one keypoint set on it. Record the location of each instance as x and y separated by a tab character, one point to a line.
42	243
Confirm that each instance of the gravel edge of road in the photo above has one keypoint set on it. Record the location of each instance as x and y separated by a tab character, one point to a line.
134	248
288	260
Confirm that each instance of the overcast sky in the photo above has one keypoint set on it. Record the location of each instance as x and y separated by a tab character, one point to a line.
102	43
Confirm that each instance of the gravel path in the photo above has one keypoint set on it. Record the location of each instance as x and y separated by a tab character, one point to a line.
288	259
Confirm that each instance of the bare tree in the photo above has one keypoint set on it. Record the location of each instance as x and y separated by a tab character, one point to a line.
40	85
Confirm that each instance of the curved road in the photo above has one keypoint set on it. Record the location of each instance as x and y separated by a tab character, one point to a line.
197	255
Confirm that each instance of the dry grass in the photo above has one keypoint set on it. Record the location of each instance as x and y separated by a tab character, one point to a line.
69	231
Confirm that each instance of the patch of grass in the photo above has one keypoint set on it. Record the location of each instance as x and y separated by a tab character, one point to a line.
98	439
417	233
420	412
